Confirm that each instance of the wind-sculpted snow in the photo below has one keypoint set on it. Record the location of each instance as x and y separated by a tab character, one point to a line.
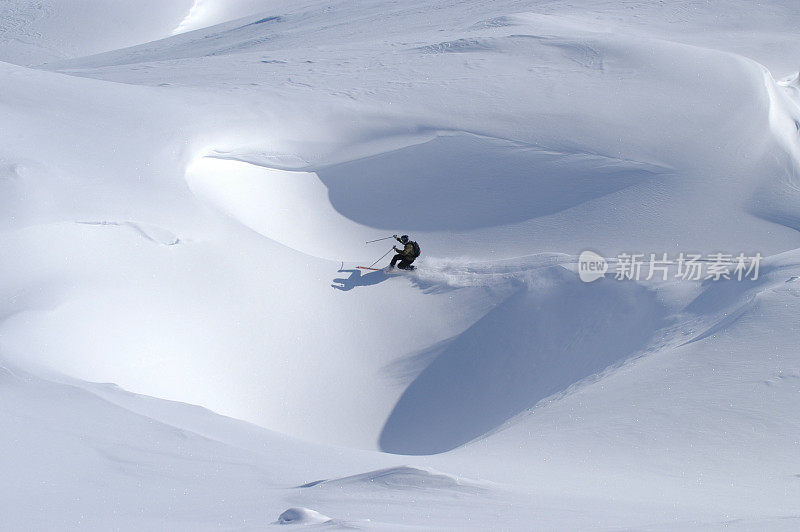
487	183
539	147
398	479
404	188
182	215
775	197
548	50
720	304
550	334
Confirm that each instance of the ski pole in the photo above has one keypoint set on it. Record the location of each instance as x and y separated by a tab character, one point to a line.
378	240
377	261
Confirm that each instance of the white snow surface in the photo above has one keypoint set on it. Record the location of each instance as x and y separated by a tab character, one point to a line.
185	192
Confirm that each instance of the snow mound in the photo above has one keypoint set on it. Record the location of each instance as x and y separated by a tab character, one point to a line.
400	478
302	516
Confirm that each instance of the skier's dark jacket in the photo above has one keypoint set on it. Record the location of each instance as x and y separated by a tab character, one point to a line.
408	250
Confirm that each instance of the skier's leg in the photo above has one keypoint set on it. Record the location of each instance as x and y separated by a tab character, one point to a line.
394	260
405	264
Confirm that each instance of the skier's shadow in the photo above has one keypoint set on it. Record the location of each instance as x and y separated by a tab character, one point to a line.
358	278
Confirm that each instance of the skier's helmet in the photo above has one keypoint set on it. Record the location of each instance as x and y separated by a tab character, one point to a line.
404	239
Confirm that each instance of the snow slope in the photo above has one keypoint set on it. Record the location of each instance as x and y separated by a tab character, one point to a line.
35	32
186	191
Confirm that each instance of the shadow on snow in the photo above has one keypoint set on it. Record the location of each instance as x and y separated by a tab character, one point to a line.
487	182
536	343
358	278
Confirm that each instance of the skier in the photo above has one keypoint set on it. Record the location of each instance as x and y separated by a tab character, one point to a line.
407	255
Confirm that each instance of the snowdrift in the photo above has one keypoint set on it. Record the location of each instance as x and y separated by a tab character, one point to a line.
538	342
185	191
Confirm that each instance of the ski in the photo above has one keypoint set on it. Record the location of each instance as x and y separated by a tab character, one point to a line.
368	268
